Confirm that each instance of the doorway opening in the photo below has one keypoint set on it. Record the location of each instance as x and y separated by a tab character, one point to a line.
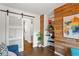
28	35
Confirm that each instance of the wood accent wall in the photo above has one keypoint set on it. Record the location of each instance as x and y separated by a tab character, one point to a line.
42	23
60	42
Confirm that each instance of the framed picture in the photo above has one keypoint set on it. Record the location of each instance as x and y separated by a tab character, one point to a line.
71	26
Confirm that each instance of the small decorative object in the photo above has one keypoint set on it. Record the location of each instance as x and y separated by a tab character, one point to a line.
40	39
50	28
3	50
71	26
49	21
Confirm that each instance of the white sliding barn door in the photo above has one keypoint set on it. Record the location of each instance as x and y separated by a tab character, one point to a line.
15	30
2	27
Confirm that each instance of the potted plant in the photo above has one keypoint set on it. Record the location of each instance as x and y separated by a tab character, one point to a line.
50	28
40	39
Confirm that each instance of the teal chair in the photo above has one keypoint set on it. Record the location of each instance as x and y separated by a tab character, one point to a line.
74	51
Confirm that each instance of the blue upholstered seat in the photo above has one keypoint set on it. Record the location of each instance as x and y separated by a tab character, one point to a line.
13	48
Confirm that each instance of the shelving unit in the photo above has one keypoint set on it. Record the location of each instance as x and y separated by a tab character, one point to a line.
50	42
50	37
50	45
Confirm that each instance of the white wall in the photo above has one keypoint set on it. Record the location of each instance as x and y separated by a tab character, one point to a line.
45	29
36	30
36	22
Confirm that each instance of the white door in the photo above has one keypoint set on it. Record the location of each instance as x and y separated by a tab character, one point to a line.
28	30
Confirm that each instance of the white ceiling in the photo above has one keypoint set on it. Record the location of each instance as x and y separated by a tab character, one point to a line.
36	8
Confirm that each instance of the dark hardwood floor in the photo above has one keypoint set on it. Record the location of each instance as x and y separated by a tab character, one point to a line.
36	51
39	52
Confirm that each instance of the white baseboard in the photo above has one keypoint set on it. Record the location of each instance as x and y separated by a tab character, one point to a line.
20	49
58	53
